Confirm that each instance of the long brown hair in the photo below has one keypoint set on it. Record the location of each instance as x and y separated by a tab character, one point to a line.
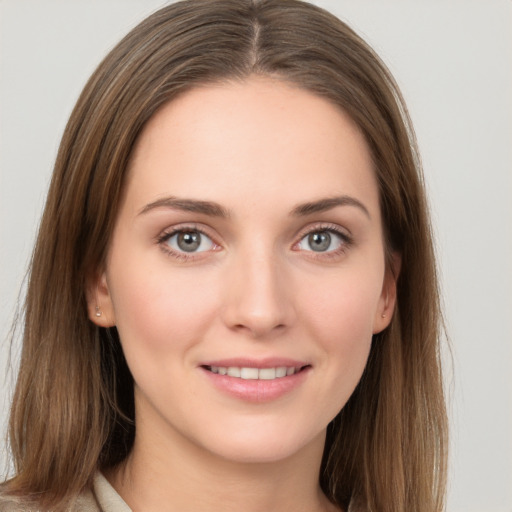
73	406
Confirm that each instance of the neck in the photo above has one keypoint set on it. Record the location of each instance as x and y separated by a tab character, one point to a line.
170	473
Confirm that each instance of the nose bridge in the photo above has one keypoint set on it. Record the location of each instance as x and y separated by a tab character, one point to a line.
258	298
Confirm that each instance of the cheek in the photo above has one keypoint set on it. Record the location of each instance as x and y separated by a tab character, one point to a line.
350	301
341	310
159	309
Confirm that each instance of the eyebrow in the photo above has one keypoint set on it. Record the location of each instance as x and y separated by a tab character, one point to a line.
328	203
213	209
188	205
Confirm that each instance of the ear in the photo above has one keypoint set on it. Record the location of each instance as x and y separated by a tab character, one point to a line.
100	308
387	301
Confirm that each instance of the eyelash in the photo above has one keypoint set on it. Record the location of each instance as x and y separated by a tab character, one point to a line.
165	236
346	241
162	240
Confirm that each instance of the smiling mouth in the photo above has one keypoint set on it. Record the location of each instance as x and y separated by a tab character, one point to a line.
246	373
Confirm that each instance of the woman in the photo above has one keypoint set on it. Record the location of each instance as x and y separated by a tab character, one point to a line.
223	307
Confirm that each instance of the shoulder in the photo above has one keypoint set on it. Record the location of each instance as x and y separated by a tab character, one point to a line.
102	497
85	502
12	504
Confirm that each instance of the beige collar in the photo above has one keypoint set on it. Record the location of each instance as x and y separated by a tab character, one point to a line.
107	497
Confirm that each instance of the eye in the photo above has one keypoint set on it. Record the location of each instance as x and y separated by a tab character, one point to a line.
322	241
189	241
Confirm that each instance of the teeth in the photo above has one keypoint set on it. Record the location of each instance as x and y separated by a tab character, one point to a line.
255	373
249	373
267	374
281	371
234	371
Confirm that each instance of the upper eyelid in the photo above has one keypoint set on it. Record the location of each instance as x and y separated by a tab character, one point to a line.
323	226
172	230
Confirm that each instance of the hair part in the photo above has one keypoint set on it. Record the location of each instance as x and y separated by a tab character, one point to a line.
73	409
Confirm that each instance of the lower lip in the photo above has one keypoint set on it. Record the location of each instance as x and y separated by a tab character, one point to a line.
256	390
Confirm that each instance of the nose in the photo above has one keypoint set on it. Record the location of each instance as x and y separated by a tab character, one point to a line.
259	295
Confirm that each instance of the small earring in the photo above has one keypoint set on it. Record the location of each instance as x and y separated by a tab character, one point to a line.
383	315
98	311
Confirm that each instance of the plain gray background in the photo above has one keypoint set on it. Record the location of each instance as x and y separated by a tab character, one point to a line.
453	61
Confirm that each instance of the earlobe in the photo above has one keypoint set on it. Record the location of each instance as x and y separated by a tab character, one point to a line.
99	302
387	302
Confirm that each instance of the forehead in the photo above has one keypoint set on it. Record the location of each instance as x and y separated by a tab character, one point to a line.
257	140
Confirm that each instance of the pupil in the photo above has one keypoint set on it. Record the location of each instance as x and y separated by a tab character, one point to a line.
189	242
319	241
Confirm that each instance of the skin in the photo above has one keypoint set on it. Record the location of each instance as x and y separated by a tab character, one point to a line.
254	289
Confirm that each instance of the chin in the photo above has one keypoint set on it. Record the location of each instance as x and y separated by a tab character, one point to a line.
264	449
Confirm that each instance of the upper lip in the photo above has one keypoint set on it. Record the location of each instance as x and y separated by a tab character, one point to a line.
245	362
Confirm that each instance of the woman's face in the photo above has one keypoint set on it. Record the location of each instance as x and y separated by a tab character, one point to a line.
246	270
